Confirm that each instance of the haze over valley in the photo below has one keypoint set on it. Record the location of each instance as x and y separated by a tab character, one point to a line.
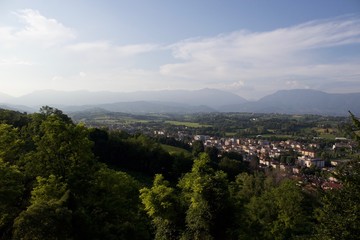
298	101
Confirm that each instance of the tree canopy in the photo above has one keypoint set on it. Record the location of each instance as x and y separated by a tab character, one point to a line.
62	180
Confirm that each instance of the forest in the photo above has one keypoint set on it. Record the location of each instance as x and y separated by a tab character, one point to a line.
64	180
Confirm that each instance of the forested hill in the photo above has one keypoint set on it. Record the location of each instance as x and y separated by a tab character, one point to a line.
60	180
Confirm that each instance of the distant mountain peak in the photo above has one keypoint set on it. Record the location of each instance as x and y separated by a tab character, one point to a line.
209	97
297	101
5	97
302	101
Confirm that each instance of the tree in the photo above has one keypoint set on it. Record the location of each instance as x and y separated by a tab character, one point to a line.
247	186
60	148
231	167
197	148
206	197
254	162
111	208
161	205
11	191
181	164
233	155
16	119
10	143
339	213
354	129
74	196
48	216
100	138
242	190
50	111
278	213
213	153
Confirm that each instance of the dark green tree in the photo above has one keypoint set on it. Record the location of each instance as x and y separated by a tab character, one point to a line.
162	206
339	214
60	148
278	213
111	207
206	197
16	119
48	216
242	190
11	145
181	164
197	148
213	153
247	186
11	192
231	167
50	111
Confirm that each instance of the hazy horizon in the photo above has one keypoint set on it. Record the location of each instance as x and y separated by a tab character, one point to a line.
253	98
248	48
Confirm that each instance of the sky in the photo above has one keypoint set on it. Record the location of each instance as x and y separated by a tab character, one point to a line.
248	47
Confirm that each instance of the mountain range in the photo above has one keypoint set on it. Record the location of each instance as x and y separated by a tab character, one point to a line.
301	101
298	101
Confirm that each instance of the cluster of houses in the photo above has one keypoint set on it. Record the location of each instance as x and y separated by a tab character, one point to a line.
268	153
289	156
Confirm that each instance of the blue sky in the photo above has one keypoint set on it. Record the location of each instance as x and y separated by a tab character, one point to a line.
251	48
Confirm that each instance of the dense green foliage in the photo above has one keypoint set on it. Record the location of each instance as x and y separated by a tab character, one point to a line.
339	215
52	186
60	180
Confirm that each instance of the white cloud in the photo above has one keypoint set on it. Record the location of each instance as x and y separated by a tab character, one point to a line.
247	56
89	46
121	80
292	83
42	30
13	61
57	79
105	48
232	86
7	37
243	62
129	50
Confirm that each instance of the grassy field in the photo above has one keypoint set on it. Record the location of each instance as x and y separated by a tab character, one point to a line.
187	124
230	134
276	135
174	150
328	133
123	120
